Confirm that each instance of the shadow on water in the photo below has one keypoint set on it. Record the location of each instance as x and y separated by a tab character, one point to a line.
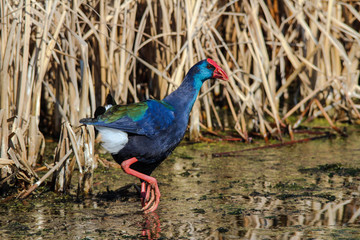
303	191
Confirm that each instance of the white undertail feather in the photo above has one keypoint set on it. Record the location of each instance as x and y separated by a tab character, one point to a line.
113	139
108	106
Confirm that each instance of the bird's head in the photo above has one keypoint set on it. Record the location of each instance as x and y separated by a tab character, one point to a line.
217	72
207	69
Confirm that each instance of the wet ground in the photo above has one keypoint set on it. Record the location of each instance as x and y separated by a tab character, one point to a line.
303	191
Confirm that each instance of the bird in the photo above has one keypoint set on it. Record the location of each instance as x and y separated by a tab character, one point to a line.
142	135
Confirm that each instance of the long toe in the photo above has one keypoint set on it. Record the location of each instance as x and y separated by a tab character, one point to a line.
154	206
148	193
149	201
154	199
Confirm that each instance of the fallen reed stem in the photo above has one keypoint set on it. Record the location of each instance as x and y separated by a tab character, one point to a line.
43	178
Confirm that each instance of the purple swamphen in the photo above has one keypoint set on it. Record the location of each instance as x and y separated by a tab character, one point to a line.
141	135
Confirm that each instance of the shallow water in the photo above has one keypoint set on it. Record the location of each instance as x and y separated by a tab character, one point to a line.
303	191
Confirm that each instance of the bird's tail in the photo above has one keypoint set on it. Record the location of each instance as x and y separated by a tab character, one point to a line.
88	121
110	101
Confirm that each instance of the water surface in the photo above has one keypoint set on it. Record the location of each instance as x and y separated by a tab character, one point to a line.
303	191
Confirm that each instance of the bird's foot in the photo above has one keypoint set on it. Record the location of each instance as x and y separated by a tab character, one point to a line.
152	197
152	194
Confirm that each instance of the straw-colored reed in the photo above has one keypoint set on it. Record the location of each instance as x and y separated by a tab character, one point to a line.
59	60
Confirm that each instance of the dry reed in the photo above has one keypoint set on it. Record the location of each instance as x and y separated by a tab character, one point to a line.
59	60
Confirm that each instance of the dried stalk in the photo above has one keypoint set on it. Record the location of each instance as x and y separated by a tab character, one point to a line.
142	49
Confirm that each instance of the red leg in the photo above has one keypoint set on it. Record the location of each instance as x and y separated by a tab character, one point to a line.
152	188
143	193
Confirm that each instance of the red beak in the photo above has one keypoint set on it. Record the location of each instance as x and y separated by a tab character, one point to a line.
219	73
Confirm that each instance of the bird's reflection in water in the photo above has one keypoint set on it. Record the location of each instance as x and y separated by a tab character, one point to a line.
151	226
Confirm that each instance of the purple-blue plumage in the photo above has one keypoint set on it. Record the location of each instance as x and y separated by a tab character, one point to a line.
149	131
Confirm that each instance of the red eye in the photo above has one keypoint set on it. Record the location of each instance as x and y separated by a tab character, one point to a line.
209	66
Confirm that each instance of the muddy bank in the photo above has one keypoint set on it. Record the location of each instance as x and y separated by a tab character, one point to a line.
308	190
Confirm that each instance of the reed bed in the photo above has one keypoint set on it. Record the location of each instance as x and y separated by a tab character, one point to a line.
288	62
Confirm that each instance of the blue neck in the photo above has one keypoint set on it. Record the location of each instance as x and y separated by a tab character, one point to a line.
183	98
